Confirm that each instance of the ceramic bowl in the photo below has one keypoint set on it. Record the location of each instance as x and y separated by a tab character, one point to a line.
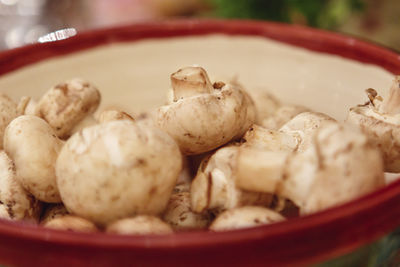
131	66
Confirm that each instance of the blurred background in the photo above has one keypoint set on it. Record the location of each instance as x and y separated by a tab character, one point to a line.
24	21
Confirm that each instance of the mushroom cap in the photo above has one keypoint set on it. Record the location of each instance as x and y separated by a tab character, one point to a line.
139	225
390	104
71	223
203	122
19	204
180	216
66	104
383	130
283	114
113	115
27	106
8	111
303	127
23	104
53	211
270	140
340	166
245	217
86	122
307	121
266	104
214	187
117	169
263	157
33	146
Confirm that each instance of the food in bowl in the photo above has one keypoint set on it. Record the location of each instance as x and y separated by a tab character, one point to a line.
379	118
117	172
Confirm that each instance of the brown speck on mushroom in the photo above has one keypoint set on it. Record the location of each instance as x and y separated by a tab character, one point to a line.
372	94
218	85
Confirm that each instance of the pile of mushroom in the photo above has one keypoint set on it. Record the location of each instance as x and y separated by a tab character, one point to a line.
214	157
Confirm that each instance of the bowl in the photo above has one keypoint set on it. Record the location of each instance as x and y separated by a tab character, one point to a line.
131	65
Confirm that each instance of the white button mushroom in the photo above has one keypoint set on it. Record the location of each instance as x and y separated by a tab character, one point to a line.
18	203
303	127
71	223
328	173
282	115
245	217
139	225
28	106
8	111
201	117
214	187
266	105
86	122
180	216
272	114
270	140
117	169
33	146
265	151
66	104
380	120
341	165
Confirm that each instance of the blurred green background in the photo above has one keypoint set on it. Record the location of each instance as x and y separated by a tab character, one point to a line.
23	21
375	20
316	13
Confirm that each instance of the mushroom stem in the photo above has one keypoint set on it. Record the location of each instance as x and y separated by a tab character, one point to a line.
391	104
260	171
190	81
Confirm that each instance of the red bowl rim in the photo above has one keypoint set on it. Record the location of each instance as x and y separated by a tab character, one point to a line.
369	212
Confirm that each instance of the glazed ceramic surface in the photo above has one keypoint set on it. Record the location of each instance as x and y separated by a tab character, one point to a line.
135	75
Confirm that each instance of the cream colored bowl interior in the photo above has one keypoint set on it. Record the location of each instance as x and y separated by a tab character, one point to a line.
135	76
